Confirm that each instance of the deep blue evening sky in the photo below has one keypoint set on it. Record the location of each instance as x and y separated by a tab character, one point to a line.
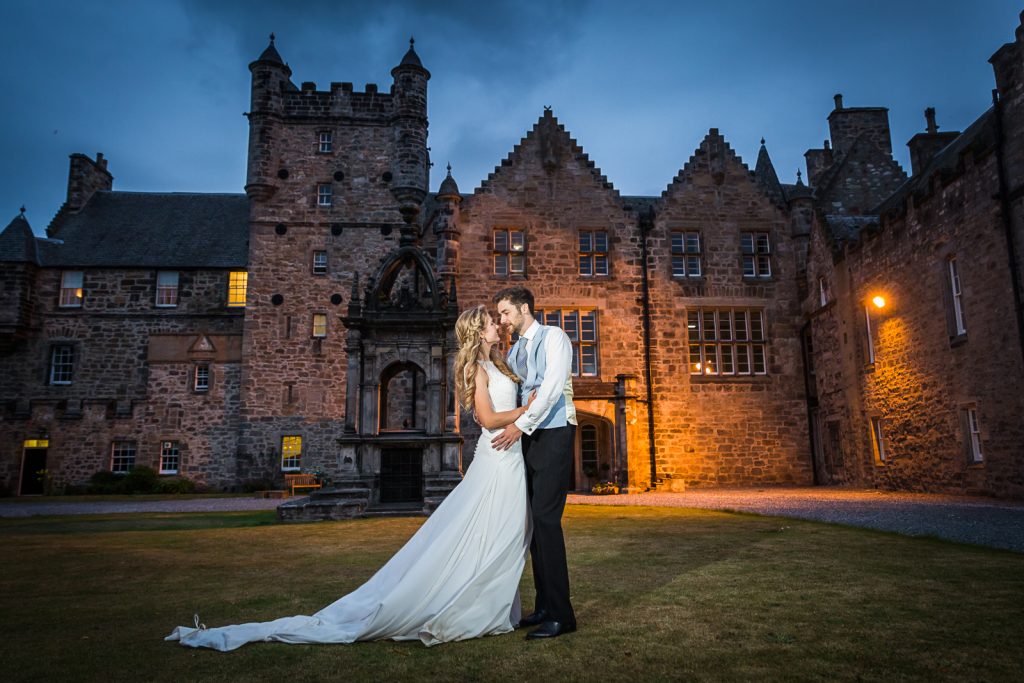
160	86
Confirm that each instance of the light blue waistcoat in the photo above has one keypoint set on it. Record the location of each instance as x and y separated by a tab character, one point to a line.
536	364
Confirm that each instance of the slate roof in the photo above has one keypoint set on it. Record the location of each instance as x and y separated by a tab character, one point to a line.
764	174
17	243
152	229
846	229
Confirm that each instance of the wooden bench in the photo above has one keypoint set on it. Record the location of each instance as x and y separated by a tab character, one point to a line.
301	481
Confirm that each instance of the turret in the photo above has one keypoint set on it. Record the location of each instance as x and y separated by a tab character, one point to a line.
1008	65
764	174
271	77
410	165
446	227
18	262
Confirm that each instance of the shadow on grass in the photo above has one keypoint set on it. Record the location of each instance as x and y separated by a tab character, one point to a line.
660	594
150	521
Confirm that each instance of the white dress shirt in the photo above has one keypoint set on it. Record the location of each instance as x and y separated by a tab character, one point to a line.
557	378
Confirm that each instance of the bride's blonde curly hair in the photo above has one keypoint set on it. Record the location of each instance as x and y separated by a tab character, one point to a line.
468	328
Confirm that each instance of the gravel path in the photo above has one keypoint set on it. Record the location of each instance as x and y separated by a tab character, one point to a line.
979	521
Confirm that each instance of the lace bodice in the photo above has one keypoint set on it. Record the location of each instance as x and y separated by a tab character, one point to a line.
502	390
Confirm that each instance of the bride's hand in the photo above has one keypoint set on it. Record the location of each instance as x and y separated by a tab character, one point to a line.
530	400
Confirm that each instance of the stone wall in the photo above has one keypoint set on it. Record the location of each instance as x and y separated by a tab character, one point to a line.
924	375
721	429
115	392
550	190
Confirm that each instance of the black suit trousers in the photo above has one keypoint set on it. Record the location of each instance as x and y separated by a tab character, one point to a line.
548	454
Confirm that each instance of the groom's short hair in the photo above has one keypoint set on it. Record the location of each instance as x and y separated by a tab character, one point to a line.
517	296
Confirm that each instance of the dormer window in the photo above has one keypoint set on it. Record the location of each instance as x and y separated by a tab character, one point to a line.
167	288
71	289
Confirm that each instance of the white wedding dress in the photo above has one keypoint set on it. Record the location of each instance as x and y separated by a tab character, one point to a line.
456	578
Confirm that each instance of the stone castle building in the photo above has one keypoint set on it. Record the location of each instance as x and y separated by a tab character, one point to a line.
724	332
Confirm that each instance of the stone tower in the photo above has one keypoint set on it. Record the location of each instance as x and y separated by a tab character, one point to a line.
336	179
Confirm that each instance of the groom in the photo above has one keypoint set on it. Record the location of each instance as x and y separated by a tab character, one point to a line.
542	357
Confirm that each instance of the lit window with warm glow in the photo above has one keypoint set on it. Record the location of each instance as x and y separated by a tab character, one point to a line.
238	281
869	337
71	289
319	325
291	453
509	252
755	248
167	288
686	254
580	326
727	341
877	440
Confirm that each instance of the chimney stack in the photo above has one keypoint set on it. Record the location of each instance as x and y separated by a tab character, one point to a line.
924	146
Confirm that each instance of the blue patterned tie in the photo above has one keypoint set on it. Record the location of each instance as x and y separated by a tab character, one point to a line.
521	358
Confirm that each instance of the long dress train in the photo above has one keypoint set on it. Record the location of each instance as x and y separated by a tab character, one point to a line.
456	578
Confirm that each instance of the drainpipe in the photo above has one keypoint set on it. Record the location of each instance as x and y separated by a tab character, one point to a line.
646	224
1004	209
805	331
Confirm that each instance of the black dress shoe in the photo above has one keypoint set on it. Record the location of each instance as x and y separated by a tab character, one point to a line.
550	629
538	617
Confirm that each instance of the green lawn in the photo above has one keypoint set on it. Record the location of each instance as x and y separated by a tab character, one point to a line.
660	594
121	497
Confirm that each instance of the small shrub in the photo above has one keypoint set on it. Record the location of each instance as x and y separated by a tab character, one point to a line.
605	488
141	480
175	485
254	485
105	482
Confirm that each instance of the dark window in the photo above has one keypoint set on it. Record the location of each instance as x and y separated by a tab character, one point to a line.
686	254
593	253
62	362
756	250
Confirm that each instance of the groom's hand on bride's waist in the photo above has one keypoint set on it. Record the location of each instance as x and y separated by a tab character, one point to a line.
504	441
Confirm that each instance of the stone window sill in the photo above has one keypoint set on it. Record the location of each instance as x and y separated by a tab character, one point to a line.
730	379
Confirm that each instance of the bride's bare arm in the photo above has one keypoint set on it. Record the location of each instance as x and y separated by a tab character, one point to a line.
485	413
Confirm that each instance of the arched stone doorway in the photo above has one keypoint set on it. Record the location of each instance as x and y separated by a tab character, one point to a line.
403	398
594	456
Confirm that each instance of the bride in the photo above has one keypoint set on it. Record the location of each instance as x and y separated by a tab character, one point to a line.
458	576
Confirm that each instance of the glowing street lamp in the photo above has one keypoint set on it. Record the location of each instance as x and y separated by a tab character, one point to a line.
878	301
